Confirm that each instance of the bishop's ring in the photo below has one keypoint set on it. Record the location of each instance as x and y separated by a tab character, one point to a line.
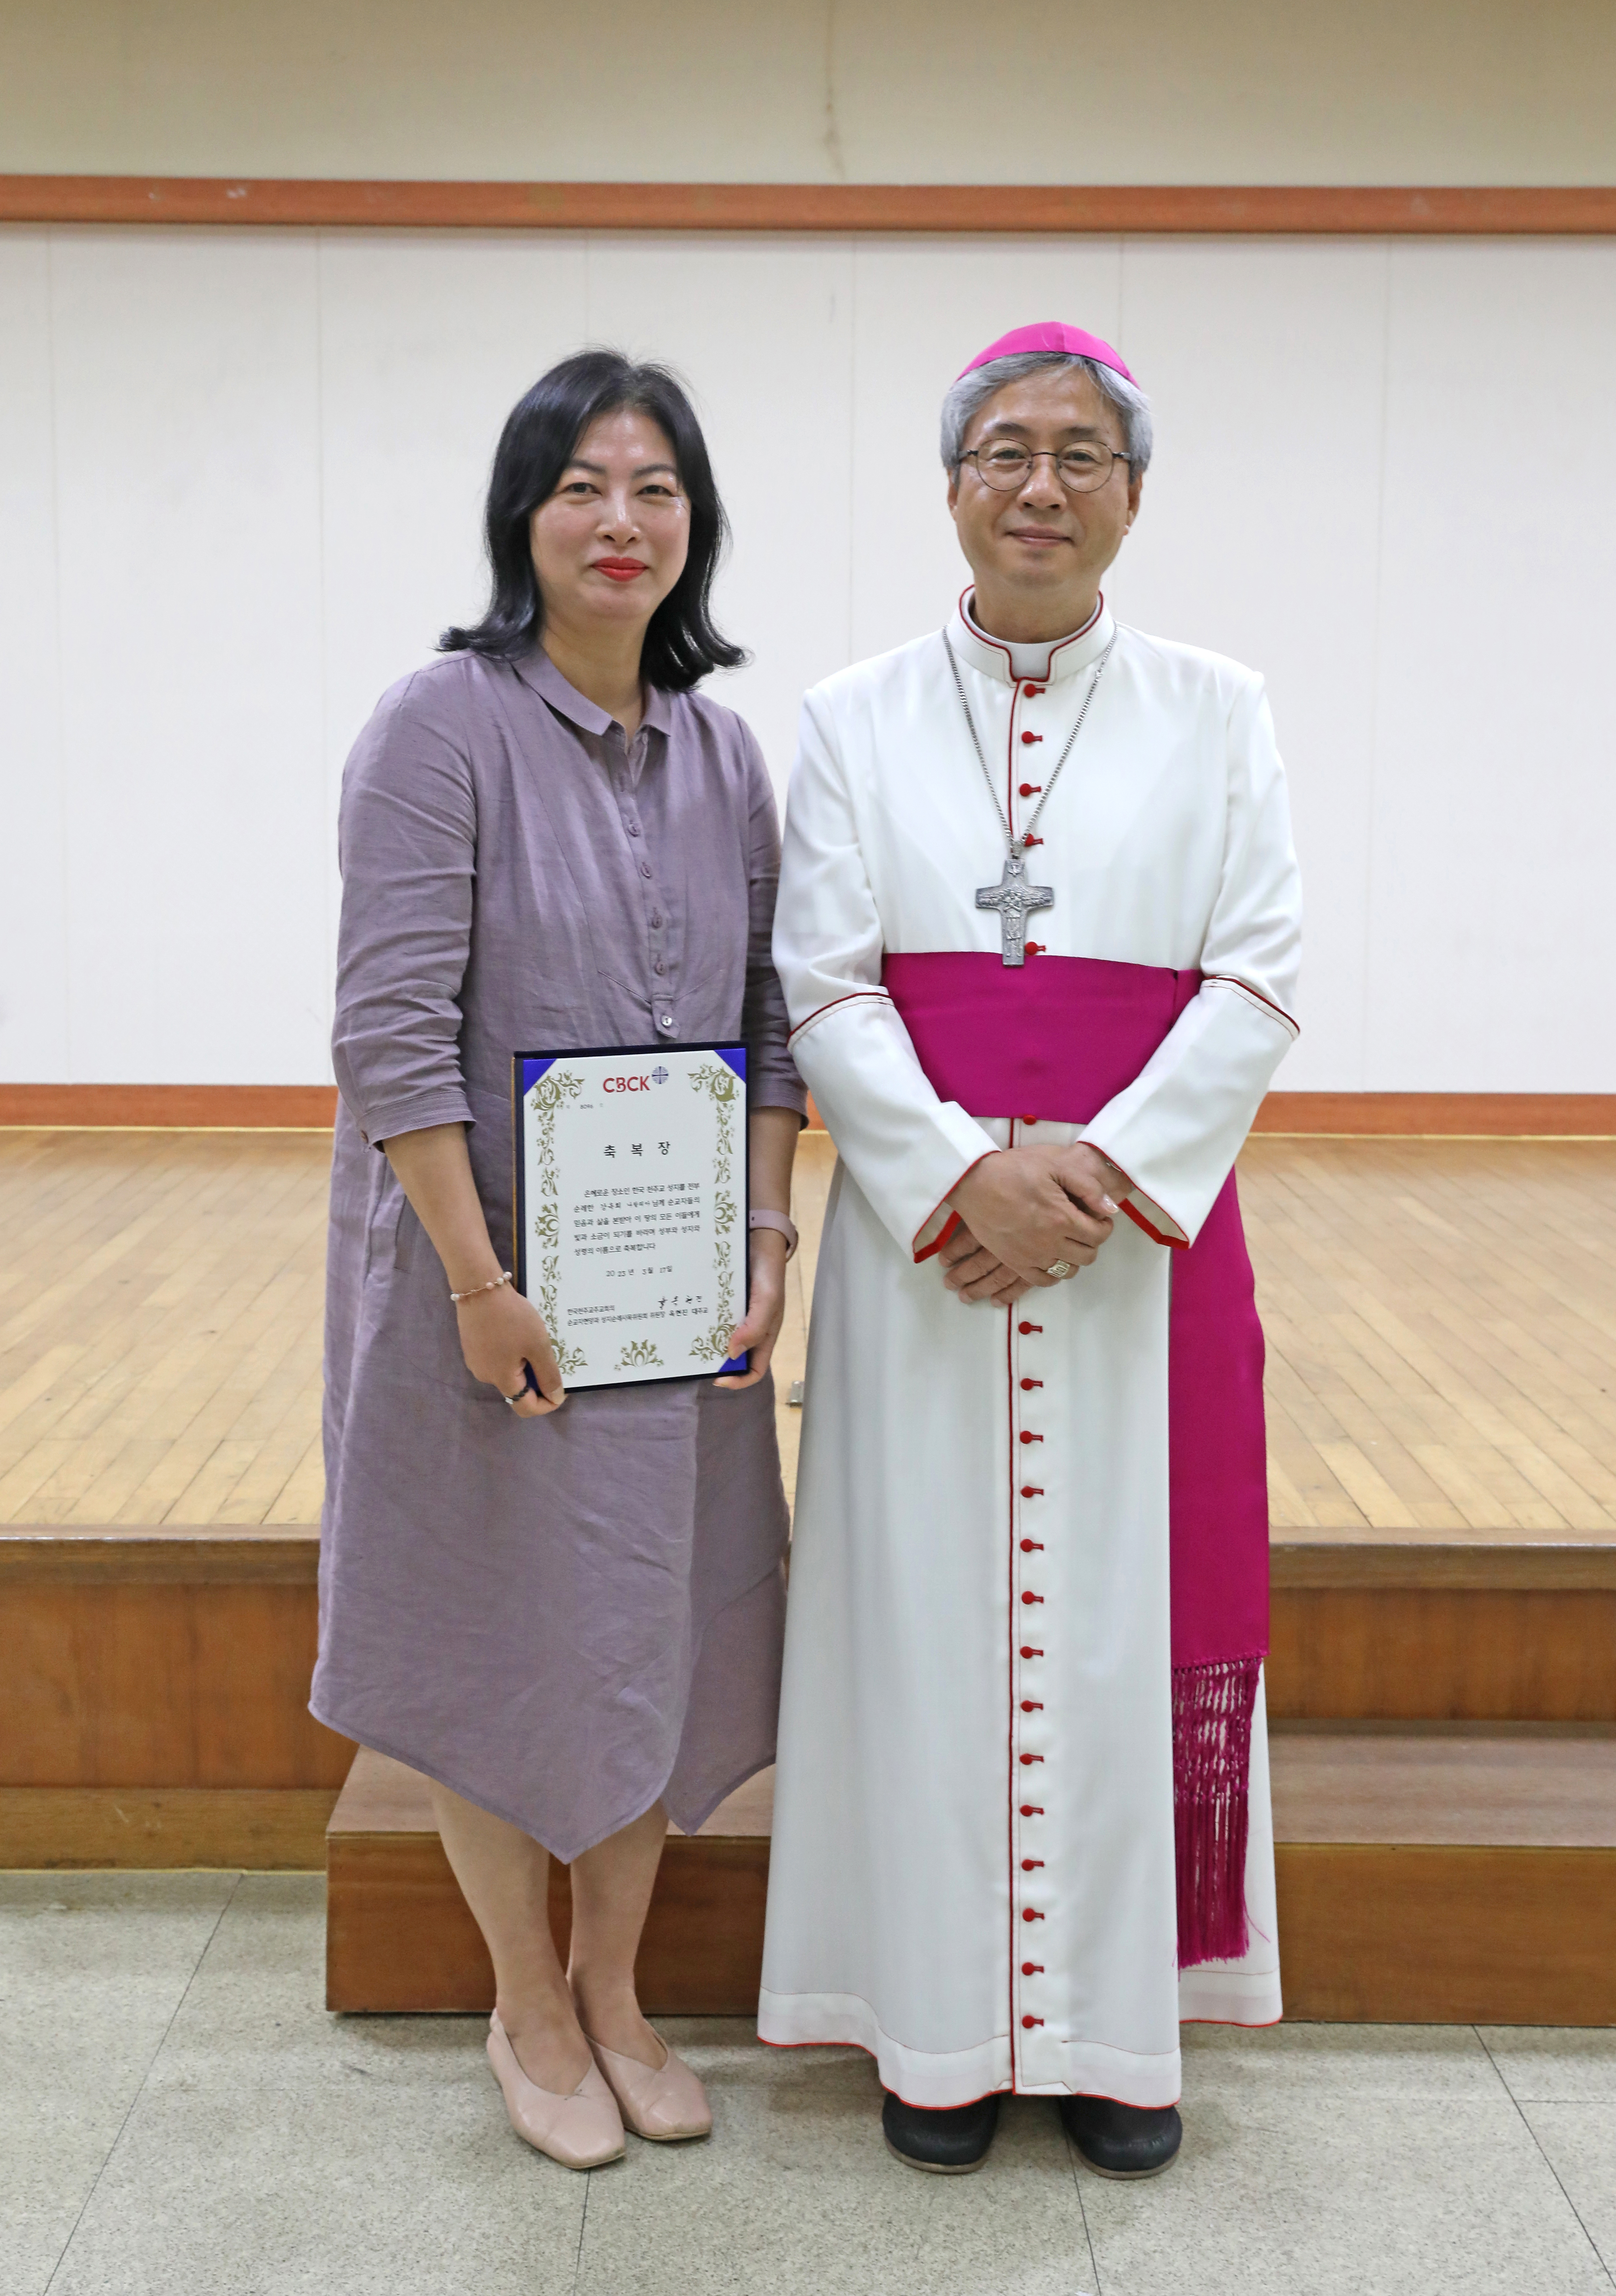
1060	1269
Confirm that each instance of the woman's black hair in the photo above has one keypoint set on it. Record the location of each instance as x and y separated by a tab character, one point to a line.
540	439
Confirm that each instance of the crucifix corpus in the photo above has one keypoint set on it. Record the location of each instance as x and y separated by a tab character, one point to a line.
1014	900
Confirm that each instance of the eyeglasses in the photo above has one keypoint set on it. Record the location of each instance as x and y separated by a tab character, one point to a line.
1006	466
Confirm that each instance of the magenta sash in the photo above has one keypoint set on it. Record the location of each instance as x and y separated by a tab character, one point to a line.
1056	1041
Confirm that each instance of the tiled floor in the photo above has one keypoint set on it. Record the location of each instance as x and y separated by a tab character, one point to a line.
182	2117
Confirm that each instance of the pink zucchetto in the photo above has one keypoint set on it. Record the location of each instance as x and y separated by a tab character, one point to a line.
1050	335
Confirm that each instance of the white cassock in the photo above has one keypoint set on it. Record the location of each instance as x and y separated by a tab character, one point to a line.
973	1870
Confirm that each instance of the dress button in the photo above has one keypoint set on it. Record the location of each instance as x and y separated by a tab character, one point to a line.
665	1021
645	868
659	966
634	828
656	920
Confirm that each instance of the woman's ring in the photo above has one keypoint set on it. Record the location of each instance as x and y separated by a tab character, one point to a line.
514	1399
1060	1269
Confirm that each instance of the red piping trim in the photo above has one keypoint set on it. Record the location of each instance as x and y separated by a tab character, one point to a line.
1232	980
938	1242
850	997
974	630
1173	1242
929	1250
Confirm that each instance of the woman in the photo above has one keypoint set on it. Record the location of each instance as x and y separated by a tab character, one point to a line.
566	1611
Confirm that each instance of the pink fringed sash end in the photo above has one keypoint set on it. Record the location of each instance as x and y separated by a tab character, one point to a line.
1212	1708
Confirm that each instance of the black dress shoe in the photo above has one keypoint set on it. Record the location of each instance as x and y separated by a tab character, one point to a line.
950	2142
1123	2140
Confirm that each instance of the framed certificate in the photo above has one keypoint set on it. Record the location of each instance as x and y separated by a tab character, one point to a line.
631	1201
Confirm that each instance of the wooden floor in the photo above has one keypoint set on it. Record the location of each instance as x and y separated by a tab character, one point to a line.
1441	1321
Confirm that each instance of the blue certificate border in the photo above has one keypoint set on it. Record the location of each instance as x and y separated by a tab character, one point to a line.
526	1070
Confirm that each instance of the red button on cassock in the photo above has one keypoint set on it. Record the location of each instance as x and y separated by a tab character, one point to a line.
1025	1328
1027	1383
1032	1706
1029	1863
1027	1651
1032	1968
1032	737
1028	1915
1032	1598
1033	2021
1028	1436
1032	1490
1028	1760
1030	788
1030	1809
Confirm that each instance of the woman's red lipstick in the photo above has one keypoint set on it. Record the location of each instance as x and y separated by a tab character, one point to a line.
619	570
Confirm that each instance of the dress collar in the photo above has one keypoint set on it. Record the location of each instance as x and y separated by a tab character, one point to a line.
1044	665
537	670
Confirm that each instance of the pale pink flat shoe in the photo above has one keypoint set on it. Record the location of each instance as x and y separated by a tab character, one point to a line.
665	2102
581	2131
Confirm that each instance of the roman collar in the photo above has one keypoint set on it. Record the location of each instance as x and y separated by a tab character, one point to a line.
537	670
1041	665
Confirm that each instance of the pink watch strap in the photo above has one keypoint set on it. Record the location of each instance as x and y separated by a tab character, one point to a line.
781	1220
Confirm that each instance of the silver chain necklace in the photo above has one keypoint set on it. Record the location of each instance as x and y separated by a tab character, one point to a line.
1013	897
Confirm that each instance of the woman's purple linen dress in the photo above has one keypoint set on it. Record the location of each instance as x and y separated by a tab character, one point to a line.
563	1618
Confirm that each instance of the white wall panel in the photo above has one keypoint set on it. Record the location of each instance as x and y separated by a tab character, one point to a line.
1258	537
251	467
33	915
426	343
762	329
188	485
1495	768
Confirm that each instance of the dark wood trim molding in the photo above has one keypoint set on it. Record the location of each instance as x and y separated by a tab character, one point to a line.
1447	1115
176	1107
1222	209
313	1107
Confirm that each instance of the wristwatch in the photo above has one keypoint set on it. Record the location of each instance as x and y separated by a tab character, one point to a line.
781	1220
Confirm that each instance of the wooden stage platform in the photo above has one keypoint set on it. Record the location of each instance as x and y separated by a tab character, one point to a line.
1441	1317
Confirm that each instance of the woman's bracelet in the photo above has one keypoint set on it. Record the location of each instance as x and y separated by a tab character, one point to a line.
492	1284
786	1225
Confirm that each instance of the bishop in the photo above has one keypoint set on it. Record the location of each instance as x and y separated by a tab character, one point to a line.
1022	1820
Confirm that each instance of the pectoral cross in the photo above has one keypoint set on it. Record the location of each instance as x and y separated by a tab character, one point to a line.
1014	900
